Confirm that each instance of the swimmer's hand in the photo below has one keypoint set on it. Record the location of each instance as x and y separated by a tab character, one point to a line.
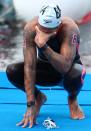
29	118
41	37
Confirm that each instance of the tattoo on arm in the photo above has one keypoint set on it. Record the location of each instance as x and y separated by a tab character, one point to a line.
74	37
30	56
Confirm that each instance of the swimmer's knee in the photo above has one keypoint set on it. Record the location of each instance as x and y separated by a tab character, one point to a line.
77	72
15	75
10	69
14	68
73	80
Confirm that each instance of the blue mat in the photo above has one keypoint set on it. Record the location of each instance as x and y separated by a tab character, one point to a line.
13	106
11	114
17	96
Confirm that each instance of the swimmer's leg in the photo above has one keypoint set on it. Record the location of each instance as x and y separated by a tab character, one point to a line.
45	75
73	82
15	74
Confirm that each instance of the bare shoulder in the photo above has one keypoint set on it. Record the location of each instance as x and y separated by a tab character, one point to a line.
69	24
30	26
69	30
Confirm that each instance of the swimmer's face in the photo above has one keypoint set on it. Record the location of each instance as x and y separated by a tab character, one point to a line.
44	34
47	30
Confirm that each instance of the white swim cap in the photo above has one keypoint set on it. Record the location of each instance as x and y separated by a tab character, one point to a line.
50	16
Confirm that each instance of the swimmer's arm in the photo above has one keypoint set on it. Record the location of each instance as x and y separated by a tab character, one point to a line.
62	62
30	56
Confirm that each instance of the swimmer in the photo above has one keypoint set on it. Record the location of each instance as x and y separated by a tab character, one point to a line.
57	41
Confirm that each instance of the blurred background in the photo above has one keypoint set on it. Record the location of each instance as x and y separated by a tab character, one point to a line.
11	32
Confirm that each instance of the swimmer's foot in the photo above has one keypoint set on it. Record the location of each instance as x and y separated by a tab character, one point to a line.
75	109
41	99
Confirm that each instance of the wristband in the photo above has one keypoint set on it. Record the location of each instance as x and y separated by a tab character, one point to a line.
30	104
44	47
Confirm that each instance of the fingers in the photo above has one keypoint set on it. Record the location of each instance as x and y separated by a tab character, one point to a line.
20	123
53	34
37	29
31	124
26	121
32	121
